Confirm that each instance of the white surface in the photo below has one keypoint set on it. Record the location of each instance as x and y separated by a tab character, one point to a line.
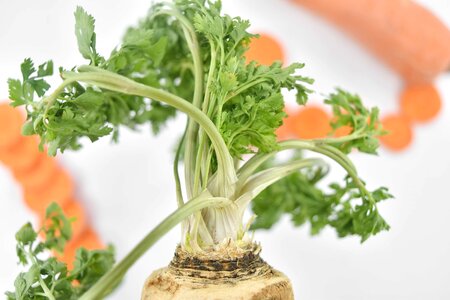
128	187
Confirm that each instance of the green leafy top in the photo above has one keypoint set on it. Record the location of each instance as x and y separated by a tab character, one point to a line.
47	277
298	196
348	110
186	56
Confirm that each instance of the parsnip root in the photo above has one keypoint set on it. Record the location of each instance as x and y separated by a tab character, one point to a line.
233	276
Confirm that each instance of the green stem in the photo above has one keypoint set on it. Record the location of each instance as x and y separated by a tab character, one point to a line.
337	156
115	275
259	181
176	174
353	136
46	290
198	162
201	160
244	87
44	286
250	166
194	48
118	83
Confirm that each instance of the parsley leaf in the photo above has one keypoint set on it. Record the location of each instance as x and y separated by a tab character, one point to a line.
22	92
48	278
86	38
346	208
348	110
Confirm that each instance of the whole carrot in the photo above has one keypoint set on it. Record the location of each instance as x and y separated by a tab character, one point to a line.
403	34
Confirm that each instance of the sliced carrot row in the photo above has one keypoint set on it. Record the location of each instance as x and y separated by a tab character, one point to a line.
42	180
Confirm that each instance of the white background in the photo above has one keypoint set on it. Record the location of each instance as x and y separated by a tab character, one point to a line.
128	188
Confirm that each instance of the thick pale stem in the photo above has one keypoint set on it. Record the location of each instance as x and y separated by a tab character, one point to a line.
114	276
315	146
259	181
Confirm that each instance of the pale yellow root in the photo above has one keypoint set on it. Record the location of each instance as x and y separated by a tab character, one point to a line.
246	277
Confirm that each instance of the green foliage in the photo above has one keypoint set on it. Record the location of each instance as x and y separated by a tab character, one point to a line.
188	54
86	38
245	99
86	111
346	208
22	92
348	110
156	53
48	278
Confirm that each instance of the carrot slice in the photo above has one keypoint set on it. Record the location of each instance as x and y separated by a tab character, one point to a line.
38	174
284	132
59	190
10	123
420	103
400	132
311	122
21	155
74	210
265	50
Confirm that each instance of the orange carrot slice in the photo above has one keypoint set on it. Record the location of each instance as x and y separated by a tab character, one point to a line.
265	50
311	122
74	210
400	132
10	123
38	174
21	155
59	190
420	103
284	132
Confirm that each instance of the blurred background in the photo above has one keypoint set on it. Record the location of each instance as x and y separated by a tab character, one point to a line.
123	190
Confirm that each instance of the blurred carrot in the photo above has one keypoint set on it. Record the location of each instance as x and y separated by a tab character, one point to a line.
21	155
402	33
311	122
265	50
59	190
284	132
400	132
10	123
88	239
420	102
38	174
74	210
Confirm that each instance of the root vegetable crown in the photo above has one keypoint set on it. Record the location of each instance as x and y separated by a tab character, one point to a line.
219	274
